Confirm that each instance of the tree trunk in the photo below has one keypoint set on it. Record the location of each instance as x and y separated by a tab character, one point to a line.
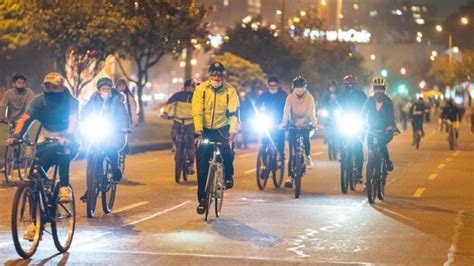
141	113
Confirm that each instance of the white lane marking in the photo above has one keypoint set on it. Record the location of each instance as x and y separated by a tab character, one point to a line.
432	176
396	214
441	166
246	155
317	153
131	206
419	192
454	239
87	240
250	171
449	159
157	214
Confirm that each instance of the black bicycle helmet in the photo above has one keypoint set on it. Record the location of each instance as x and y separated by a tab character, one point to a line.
299	82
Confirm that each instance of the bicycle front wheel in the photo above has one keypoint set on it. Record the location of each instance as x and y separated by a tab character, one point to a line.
262	168
371	187
94	170
210	189
26	221
109	189
180	161
417	139
219	188
345	172
64	222
299	169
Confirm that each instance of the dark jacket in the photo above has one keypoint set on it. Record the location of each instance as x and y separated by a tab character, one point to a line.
273	104
57	112
417	111
353	100
451	112
382	119
181	96
113	109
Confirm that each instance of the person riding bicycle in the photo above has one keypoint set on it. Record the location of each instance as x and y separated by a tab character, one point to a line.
15	101
380	114
330	106
352	100
107	103
272	102
451	114
57	111
299	112
417	112
179	104
215	107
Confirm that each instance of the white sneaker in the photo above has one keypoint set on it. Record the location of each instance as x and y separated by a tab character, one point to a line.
30	233
308	162
64	194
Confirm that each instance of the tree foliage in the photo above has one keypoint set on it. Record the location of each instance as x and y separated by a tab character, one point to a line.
80	33
441	71
241	72
14	33
153	29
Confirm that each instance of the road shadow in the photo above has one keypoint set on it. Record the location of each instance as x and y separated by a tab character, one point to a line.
235	230
63	258
191	183
130	183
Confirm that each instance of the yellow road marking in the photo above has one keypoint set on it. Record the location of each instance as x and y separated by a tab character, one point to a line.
250	171
441	166
419	191
432	176
449	159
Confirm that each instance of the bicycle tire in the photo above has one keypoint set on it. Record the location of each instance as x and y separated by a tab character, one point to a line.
179	161
370	184
9	162
417	139
451	139
37	217
299	165
63	246
209	189
219	188
92	185
109	189
262	168
344	172
279	173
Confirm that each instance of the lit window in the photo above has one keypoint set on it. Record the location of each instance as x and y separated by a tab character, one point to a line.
373	13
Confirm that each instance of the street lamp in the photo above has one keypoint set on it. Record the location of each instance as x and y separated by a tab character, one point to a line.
464	20
439	28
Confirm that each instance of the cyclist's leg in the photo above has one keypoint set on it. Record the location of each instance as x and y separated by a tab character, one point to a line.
359	155
306	142
203	155
413	126
279	138
291	145
191	148
384	150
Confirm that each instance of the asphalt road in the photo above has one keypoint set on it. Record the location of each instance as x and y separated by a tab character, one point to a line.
426	218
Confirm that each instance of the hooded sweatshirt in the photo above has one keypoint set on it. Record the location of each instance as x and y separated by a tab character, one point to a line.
299	110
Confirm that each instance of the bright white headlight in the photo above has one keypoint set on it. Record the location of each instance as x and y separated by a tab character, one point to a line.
350	124
324	113
96	128
262	122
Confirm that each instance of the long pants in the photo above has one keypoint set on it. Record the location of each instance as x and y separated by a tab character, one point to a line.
188	131
204	155
384	139
278	138
417	124
50	154
292	142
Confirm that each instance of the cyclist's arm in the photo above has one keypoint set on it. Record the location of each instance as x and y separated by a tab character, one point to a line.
233	109
197	108
27	118
73	119
124	119
286	113
312	112
4	105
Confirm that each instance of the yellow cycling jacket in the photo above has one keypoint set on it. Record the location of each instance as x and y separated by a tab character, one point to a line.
214	110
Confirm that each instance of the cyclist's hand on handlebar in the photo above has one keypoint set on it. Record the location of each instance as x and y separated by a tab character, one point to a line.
281	126
197	138
231	138
10	141
164	115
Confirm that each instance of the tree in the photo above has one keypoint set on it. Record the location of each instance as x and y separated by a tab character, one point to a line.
81	34
464	70
441	71
14	32
241	72
153	29
262	46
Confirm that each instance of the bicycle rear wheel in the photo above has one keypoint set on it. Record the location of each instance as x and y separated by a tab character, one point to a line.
219	188
371	184
109	188
417	139
299	167
94	169
64	222
210	189
10	162
262	168
451	138
180	161
25	213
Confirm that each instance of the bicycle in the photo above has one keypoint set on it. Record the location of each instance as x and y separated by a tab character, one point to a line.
36	203
451	134
215	184
99	171
180	156
377	171
296	165
17	157
418	134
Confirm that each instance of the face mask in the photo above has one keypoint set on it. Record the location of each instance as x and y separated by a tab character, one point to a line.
216	84
300	91
273	91
20	90
379	96
105	95
53	96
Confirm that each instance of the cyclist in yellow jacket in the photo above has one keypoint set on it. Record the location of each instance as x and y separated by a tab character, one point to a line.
214	108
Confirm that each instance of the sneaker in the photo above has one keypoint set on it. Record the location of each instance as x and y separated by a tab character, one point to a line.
83	198
116	175
64	194
359	179
191	169
201	207
389	166
30	233
229	183
308	162
289	183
